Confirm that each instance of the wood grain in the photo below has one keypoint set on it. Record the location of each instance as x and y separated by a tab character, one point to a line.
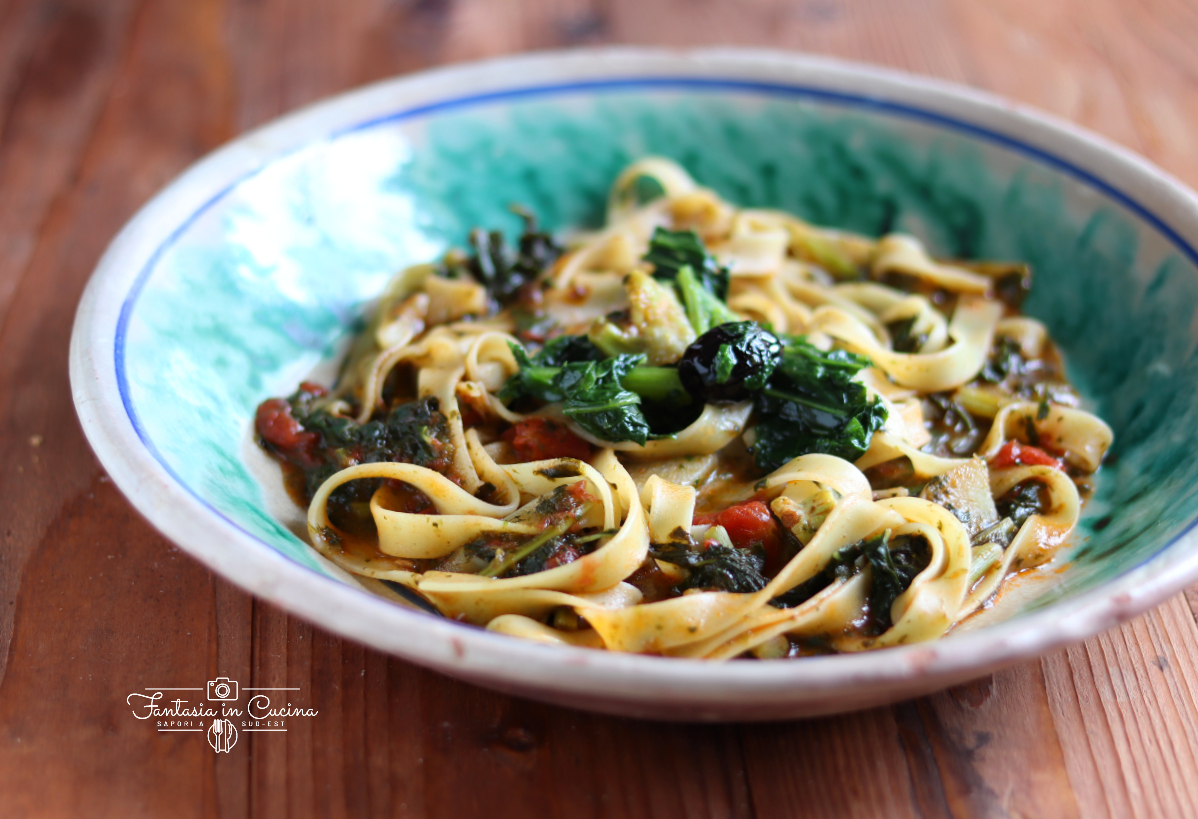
103	101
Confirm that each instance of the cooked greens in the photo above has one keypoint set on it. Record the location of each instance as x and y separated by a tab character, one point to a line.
679	256
499	268
704	309
729	362
893	561
813	404
719	567
1024	500
538	373
807	399
594	398
671	251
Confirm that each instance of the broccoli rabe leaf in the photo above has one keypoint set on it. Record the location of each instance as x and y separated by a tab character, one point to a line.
413	433
812	404
595	399
499	268
1024	500
672	250
589	390
716	567
405	435
564	349
894	563
538	372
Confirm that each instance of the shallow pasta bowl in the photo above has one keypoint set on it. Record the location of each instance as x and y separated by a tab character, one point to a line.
251	270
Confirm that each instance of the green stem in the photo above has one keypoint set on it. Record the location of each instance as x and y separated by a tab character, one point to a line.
509	561
820	357
595	536
785	396
703	309
983	557
658	384
827	256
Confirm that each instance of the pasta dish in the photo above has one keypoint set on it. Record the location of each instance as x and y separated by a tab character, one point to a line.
700	431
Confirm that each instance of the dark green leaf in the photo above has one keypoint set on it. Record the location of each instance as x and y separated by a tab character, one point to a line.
894	563
538	373
1024	500
497	267
717	567
1005	361
604	396
564	349
903	337
672	250
812	404
597	401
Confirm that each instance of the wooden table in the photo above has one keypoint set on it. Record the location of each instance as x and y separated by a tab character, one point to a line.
103	102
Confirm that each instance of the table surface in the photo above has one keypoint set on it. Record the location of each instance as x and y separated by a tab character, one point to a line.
103	102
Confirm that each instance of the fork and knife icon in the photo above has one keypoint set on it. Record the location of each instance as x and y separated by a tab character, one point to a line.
222	735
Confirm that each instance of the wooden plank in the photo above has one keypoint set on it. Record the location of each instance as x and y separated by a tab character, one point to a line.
101	617
101	103
865	764
58	88
96	605
46	117
995	747
230	654
1135	687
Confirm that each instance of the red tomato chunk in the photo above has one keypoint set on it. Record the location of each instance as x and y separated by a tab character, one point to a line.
750	524
1014	453
539	439
278	427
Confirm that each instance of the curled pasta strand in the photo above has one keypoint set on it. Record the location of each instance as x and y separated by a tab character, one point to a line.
971	329
1083	437
898	253
1040	534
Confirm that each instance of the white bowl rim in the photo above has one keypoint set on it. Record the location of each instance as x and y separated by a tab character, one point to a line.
558	671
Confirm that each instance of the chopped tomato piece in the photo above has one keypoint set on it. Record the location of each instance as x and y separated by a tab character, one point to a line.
750	524
1014	453
538	439
279	428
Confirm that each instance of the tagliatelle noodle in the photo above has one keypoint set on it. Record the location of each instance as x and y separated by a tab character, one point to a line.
1083	437
971	329
887	447
785	273
905	254
1039	536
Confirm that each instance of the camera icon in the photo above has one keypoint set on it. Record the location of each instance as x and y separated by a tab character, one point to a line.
222	688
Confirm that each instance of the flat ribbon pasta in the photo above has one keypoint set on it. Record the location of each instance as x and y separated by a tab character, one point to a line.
1082	437
444	335
971	329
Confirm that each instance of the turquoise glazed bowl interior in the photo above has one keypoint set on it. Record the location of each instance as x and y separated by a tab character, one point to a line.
256	277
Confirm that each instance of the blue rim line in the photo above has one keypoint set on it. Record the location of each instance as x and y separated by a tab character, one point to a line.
768	89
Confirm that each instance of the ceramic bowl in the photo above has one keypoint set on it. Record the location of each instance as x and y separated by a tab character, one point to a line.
251	270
